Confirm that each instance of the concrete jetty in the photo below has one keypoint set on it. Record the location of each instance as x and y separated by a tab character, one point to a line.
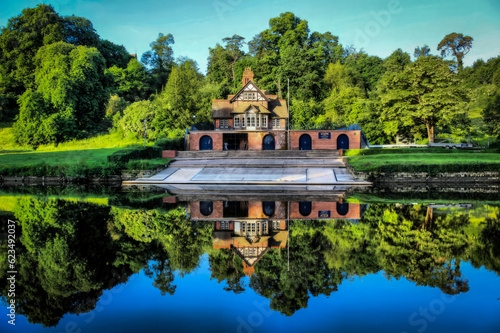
264	168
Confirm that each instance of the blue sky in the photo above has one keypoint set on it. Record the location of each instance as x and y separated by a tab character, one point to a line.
377	26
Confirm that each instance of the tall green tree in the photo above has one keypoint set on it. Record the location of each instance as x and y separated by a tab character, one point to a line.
72	82
160	59
233	48
424	93
179	104
457	45
20	40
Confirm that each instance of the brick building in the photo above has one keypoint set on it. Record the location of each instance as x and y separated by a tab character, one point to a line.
253	119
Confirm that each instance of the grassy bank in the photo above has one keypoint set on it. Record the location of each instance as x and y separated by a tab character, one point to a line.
422	160
77	158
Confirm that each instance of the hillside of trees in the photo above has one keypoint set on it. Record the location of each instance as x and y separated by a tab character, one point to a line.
60	81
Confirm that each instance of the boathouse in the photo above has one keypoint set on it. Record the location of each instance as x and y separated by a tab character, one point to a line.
253	119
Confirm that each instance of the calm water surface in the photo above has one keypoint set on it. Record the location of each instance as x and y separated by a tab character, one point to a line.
136	262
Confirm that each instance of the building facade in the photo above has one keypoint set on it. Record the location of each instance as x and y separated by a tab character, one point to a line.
250	109
253	119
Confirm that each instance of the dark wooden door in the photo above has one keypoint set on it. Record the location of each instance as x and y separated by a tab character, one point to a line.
305	142
342	208
206	207
268	142
206	143
305	208
343	142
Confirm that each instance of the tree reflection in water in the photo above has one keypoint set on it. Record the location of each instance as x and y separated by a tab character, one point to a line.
69	252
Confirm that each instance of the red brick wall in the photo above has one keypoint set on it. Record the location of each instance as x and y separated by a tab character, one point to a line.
168	153
195	214
194	140
317	143
169	199
255	140
353	213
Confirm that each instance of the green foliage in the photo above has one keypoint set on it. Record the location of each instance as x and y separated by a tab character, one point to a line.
428	160
26	34
491	114
116	106
130	82
179	101
171	143
457	45
70	95
123	156
36	123
159	60
424	93
115	55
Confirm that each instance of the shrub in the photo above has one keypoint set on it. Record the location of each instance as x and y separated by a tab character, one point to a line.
170	143
123	156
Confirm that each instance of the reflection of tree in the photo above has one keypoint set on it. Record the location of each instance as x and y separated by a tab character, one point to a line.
351	248
420	249
487	250
66	258
163	273
289	290
226	265
173	231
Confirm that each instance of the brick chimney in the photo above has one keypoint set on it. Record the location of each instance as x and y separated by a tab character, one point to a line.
247	76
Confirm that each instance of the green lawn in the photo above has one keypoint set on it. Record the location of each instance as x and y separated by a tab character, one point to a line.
70	158
417	159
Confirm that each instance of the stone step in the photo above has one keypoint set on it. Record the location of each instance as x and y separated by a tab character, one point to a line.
258	163
257	153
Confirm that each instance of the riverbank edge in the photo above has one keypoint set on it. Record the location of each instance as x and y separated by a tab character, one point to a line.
66	180
378	177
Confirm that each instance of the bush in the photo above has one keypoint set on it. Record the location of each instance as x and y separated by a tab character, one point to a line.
123	156
170	143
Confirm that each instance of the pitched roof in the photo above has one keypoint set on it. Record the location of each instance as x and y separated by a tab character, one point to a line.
243	88
278	107
221	108
222	239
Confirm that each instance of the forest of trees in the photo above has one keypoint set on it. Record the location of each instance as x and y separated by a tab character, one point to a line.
70	251
59	80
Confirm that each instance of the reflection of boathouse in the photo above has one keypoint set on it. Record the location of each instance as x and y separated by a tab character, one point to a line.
251	228
274	210
250	240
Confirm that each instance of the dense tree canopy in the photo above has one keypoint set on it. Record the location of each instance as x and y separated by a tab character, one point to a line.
71	91
423	93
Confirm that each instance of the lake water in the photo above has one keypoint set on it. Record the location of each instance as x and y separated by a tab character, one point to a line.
112	261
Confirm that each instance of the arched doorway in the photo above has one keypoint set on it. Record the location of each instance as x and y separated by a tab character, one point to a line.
206	207
268	142
342	141
342	208
305	208
206	143
268	207
305	142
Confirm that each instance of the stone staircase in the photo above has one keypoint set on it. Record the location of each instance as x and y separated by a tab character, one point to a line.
292	154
